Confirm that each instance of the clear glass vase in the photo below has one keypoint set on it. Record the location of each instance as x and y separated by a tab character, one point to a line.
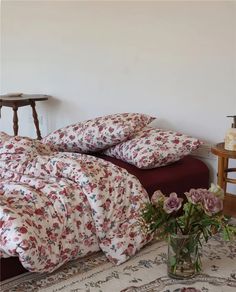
183	257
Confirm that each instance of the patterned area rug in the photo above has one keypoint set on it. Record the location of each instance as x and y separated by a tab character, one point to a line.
143	273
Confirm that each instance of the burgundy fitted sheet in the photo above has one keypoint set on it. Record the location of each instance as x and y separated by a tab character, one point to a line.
178	177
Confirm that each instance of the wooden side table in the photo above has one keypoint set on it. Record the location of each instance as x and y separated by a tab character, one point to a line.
222	176
23	100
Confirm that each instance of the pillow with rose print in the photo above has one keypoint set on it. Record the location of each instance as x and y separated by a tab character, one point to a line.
154	147
99	133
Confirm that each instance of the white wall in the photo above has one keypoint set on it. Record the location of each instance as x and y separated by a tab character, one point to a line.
175	60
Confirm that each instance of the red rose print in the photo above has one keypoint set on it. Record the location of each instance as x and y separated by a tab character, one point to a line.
10	146
1	223
39	212
22	230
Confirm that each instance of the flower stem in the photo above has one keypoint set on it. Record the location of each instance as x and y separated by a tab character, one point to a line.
186	231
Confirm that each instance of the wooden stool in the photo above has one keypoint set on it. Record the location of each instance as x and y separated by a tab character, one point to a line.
23	100
222	176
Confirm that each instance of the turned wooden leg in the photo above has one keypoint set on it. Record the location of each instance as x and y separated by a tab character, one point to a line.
15	119
220	179
226	163
36	121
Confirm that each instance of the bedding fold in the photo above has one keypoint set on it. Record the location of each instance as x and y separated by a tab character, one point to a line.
56	207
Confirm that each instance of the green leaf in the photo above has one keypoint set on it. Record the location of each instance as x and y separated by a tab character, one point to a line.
172	261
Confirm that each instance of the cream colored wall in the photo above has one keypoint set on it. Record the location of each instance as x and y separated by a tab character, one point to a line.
175	60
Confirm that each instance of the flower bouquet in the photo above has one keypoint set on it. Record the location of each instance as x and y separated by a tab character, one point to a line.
200	218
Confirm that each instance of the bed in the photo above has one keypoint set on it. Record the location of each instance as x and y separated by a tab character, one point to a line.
187	173
68	196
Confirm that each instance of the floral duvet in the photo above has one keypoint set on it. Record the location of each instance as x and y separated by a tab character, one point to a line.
60	206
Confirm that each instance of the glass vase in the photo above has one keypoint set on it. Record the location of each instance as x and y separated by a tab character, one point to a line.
183	257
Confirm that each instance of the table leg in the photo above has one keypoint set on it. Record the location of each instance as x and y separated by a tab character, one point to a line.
15	119
225	173
220	179
36	121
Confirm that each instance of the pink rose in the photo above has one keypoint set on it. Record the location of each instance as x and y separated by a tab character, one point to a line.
172	203
157	197
212	204
196	196
217	190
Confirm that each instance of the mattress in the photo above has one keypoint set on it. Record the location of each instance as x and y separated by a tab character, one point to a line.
178	177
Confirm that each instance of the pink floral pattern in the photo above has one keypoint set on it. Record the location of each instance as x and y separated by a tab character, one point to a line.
19	145
153	147
3	138
99	133
55	207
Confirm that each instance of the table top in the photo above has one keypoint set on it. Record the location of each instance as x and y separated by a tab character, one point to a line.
219	150
21	97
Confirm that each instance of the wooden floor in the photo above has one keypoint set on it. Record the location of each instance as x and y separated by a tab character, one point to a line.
230	205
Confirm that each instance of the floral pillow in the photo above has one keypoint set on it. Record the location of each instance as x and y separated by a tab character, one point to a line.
153	147
99	133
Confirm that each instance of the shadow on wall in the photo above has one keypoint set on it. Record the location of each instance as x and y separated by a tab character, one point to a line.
53	106
163	124
61	113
